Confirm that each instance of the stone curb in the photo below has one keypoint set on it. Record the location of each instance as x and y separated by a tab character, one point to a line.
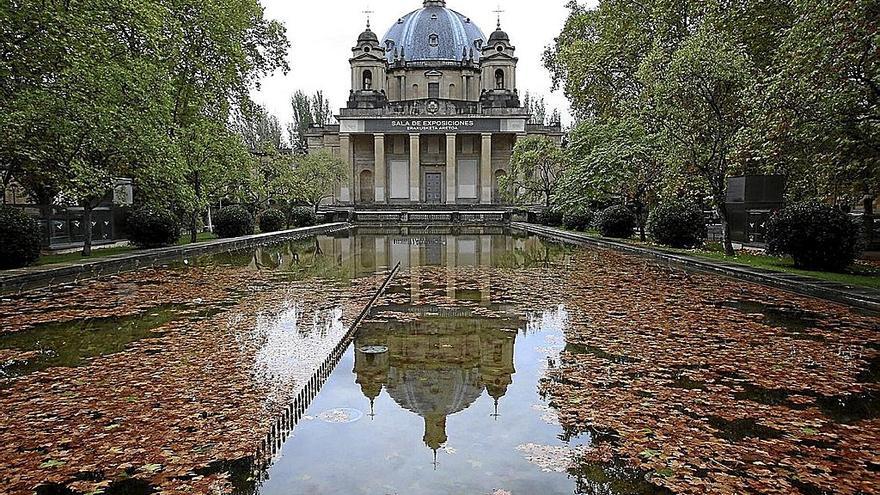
859	297
31	278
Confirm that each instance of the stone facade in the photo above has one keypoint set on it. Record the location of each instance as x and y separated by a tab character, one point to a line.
433	114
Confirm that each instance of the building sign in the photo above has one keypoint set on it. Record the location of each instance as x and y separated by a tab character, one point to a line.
432	125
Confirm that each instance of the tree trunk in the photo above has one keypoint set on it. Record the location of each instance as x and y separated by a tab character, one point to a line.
868	220
640	219
87	225
193	226
194	217
725	226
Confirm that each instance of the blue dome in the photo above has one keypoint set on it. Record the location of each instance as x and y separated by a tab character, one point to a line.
434	33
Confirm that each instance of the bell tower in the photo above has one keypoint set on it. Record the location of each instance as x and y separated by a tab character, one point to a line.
498	63
368	68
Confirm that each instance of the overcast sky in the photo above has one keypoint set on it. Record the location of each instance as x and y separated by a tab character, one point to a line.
322	33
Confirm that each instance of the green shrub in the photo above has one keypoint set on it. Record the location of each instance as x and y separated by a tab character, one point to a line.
233	221
551	216
272	220
616	221
153	227
679	224
302	216
20	238
816	236
578	218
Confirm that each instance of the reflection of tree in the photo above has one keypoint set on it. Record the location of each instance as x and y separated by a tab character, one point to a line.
611	478
436	366
530	252
296	260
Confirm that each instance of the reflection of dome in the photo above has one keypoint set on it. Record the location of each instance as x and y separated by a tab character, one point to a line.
436	366
434	391
434	33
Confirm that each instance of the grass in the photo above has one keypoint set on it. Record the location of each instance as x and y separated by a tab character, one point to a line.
53	259
858	274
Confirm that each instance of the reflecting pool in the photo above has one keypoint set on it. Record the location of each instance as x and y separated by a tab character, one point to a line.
494	363
438	392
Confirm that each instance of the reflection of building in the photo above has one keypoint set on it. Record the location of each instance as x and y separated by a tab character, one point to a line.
413	247
433	114
344	257
437	366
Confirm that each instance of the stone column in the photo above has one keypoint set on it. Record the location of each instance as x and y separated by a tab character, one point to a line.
379	174
415	180
486	169
451	165
345	154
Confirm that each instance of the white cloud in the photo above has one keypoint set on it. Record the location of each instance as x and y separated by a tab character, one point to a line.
322	33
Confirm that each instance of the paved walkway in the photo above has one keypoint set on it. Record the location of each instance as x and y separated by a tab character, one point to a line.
860	297
36	277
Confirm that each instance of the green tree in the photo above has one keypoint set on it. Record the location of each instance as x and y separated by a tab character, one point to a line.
260	130
823	121
536	168
212	159
316	176
241	46
536	108
611	160
698	98
307	111
91	93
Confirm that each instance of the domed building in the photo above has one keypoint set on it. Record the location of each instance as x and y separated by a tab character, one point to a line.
433	114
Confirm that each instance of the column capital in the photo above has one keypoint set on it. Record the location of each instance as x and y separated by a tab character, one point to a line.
451	134
379	135
486	135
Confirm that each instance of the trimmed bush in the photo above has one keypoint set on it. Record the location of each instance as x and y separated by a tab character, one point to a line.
679	224
551	217
20	238
302	216
233	221
616	221
816	236
153	227
272	220
578	218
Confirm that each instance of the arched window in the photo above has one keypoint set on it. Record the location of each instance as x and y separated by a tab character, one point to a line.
452	94
367	80
499	79
415	91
